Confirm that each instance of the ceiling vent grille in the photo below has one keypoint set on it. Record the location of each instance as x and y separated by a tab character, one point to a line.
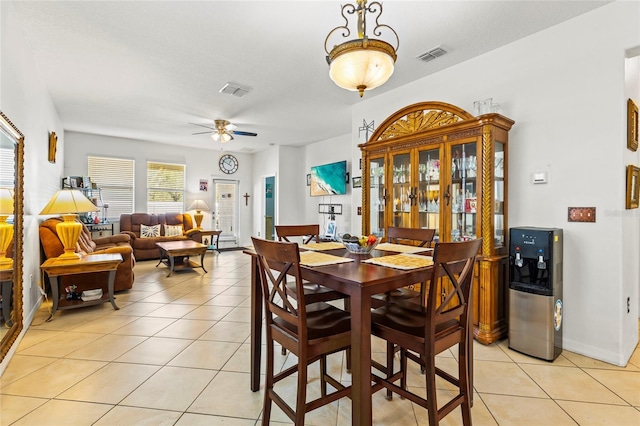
432	54
245	149
235	89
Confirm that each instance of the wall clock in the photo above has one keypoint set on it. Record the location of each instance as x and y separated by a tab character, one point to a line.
228	164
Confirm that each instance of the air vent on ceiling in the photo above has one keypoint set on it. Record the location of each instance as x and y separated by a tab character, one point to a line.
432	54
245	149
235	89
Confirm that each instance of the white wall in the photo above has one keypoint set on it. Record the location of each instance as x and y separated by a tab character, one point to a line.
329	151
201	164
569	106
27	103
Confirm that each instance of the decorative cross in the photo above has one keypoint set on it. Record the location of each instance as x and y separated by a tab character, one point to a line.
366	128
246	198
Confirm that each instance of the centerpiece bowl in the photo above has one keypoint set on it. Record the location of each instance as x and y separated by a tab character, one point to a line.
359	245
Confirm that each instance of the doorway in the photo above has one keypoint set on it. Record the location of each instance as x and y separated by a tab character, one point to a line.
225	210
269	207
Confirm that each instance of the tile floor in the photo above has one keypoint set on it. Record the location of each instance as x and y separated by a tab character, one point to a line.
177	353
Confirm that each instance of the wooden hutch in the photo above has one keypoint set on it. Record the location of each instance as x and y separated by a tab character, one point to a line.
434	165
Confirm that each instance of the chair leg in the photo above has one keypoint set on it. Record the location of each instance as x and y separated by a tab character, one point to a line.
430	379
266	410
464	381
323	375
347	308
390	355
301	400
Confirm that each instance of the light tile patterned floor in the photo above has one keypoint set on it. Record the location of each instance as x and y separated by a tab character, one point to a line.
177	352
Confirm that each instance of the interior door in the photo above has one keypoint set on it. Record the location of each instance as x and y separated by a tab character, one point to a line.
225	209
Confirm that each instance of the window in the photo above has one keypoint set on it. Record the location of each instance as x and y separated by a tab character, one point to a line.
165	187
115	178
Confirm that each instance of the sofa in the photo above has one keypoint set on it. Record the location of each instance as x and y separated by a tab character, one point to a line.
115	244
144	247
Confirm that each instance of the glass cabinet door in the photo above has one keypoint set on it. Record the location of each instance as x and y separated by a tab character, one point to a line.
402	193
498	191
377	196
464	191
429	190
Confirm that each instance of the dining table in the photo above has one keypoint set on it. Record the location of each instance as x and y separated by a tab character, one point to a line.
358	279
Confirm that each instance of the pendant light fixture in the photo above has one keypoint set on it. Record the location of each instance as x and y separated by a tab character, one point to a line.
363	63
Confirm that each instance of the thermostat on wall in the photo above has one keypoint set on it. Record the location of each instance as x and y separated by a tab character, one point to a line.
539	177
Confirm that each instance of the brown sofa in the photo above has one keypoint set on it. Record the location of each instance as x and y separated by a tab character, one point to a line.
145	248
52	247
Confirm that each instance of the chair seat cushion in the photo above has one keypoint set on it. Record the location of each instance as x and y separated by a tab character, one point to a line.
409	318
323	320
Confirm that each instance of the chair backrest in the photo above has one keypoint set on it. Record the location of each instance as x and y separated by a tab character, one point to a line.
308	232
420	236
276	259
450	302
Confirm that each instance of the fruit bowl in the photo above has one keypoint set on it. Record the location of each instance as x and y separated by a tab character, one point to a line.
359	245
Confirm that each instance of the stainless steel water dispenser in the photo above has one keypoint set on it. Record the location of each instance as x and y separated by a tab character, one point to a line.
535	291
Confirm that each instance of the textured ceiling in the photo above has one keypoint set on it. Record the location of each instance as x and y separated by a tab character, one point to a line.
145	70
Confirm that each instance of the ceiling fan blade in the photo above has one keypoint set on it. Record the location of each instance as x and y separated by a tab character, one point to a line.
239	133
205	126
202	133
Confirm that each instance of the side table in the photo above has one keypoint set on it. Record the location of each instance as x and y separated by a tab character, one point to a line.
213	234
54	268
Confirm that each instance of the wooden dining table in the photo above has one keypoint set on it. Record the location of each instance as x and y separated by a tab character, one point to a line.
360	281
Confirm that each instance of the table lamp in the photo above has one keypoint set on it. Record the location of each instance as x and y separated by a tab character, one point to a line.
198	206
6	229
67	203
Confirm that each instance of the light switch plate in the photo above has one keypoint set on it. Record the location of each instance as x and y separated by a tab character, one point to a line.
582	214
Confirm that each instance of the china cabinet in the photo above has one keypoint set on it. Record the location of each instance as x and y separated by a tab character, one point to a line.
434	165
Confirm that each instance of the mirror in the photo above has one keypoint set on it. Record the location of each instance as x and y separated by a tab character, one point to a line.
11	176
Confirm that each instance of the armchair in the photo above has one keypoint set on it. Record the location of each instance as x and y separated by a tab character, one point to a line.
52	247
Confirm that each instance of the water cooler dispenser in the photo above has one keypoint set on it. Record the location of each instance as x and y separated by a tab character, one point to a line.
535	291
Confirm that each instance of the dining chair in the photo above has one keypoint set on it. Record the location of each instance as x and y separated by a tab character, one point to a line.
419	237
310	331
313	292
423	331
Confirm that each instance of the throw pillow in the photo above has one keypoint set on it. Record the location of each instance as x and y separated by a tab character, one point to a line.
172	230
149	231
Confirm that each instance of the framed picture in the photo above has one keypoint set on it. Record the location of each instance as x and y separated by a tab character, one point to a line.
309	180
357	182
204	185
632	125
53	146
633	187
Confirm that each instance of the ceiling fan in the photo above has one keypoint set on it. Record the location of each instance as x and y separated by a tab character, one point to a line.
223	131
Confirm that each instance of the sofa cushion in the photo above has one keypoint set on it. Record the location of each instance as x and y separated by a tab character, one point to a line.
172	230
149	231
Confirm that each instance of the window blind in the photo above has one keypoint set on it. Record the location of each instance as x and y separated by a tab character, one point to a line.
115	177
165	187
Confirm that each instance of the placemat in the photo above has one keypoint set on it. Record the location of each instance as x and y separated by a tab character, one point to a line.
402	261
327	245
401	248
313	258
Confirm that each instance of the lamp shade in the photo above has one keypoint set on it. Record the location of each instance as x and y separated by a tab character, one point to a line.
67	201
199	205
6	201
360	65
222	137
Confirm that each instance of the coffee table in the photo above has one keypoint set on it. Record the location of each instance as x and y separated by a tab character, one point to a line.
181	250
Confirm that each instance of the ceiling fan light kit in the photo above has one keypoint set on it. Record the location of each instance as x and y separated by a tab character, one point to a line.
364	63
223	131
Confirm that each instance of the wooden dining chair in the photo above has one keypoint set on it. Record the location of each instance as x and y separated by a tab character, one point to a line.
419	237
423	331
310	331
313	292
